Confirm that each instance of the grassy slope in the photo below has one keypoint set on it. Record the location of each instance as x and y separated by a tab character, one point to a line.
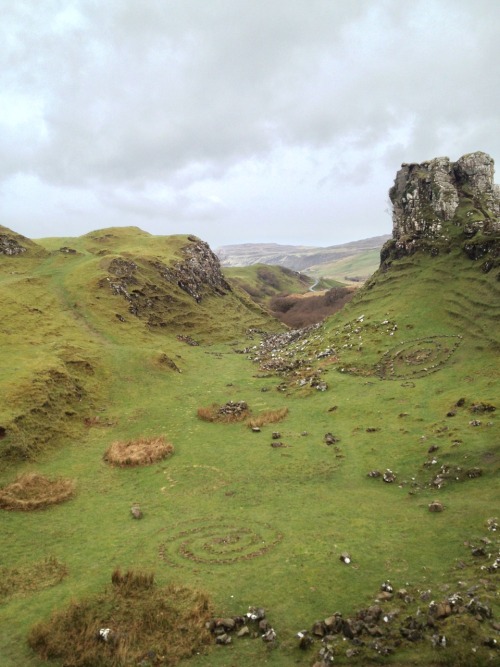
228	475
360	267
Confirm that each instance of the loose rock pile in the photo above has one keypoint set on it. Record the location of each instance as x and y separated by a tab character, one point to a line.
233	409
253	624
401	617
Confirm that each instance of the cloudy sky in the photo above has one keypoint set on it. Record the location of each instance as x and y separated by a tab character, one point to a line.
236	120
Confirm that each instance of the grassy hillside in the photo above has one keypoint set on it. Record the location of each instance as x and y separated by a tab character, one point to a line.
397	380
349	270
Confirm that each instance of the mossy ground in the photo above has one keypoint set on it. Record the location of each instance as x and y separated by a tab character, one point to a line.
285	514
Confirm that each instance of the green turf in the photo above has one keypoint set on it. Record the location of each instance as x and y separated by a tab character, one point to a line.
294	509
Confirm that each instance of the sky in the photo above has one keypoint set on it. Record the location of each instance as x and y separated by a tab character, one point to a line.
240	121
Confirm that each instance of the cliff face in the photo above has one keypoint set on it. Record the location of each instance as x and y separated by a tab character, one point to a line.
438	203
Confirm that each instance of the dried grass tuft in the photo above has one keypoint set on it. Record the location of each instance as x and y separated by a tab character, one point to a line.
146	624
32	491
269	417
143	451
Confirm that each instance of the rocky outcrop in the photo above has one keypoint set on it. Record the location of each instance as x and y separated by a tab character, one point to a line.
147	284
439	202
10	246
200	271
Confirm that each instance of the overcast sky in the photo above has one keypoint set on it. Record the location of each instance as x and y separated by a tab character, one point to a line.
236	120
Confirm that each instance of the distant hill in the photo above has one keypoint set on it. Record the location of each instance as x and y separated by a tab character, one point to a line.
348	262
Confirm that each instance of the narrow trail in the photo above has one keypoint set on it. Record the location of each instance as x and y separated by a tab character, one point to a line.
312	288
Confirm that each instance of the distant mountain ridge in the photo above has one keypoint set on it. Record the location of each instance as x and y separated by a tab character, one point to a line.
308	259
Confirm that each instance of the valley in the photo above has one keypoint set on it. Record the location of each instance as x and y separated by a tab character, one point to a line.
362	512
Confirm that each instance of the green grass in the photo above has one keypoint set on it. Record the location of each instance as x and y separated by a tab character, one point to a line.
349	270
301	505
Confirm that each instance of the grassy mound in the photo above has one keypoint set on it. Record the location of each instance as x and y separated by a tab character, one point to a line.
18	581
138	452
131	622
32	491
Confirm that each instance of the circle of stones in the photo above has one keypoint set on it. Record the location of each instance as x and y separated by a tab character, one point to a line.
219	543
417	357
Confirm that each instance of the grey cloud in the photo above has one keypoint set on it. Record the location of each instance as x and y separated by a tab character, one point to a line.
131	93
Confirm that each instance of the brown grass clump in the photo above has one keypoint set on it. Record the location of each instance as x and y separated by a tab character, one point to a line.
146	625
32	491
18	581
269	417
143	451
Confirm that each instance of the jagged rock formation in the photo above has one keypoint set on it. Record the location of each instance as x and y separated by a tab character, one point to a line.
198	272
14	245
439	202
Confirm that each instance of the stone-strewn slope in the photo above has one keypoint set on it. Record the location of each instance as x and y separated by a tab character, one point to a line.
440	202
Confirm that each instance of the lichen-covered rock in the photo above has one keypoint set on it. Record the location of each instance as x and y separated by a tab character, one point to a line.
10	246
438	201
198	273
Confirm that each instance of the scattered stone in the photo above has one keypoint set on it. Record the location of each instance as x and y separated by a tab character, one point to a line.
475	422
243	632
436	506
319	629
255	429
256	613
305	639
374	473
372	430
136	512
482	407
478	552
269	636
345	557
277	444
276	435
384	596
438	641
69	251
432	448
223	639
492	524
333	408
105	634
187	339
472	473
331	439
389	477
451	413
